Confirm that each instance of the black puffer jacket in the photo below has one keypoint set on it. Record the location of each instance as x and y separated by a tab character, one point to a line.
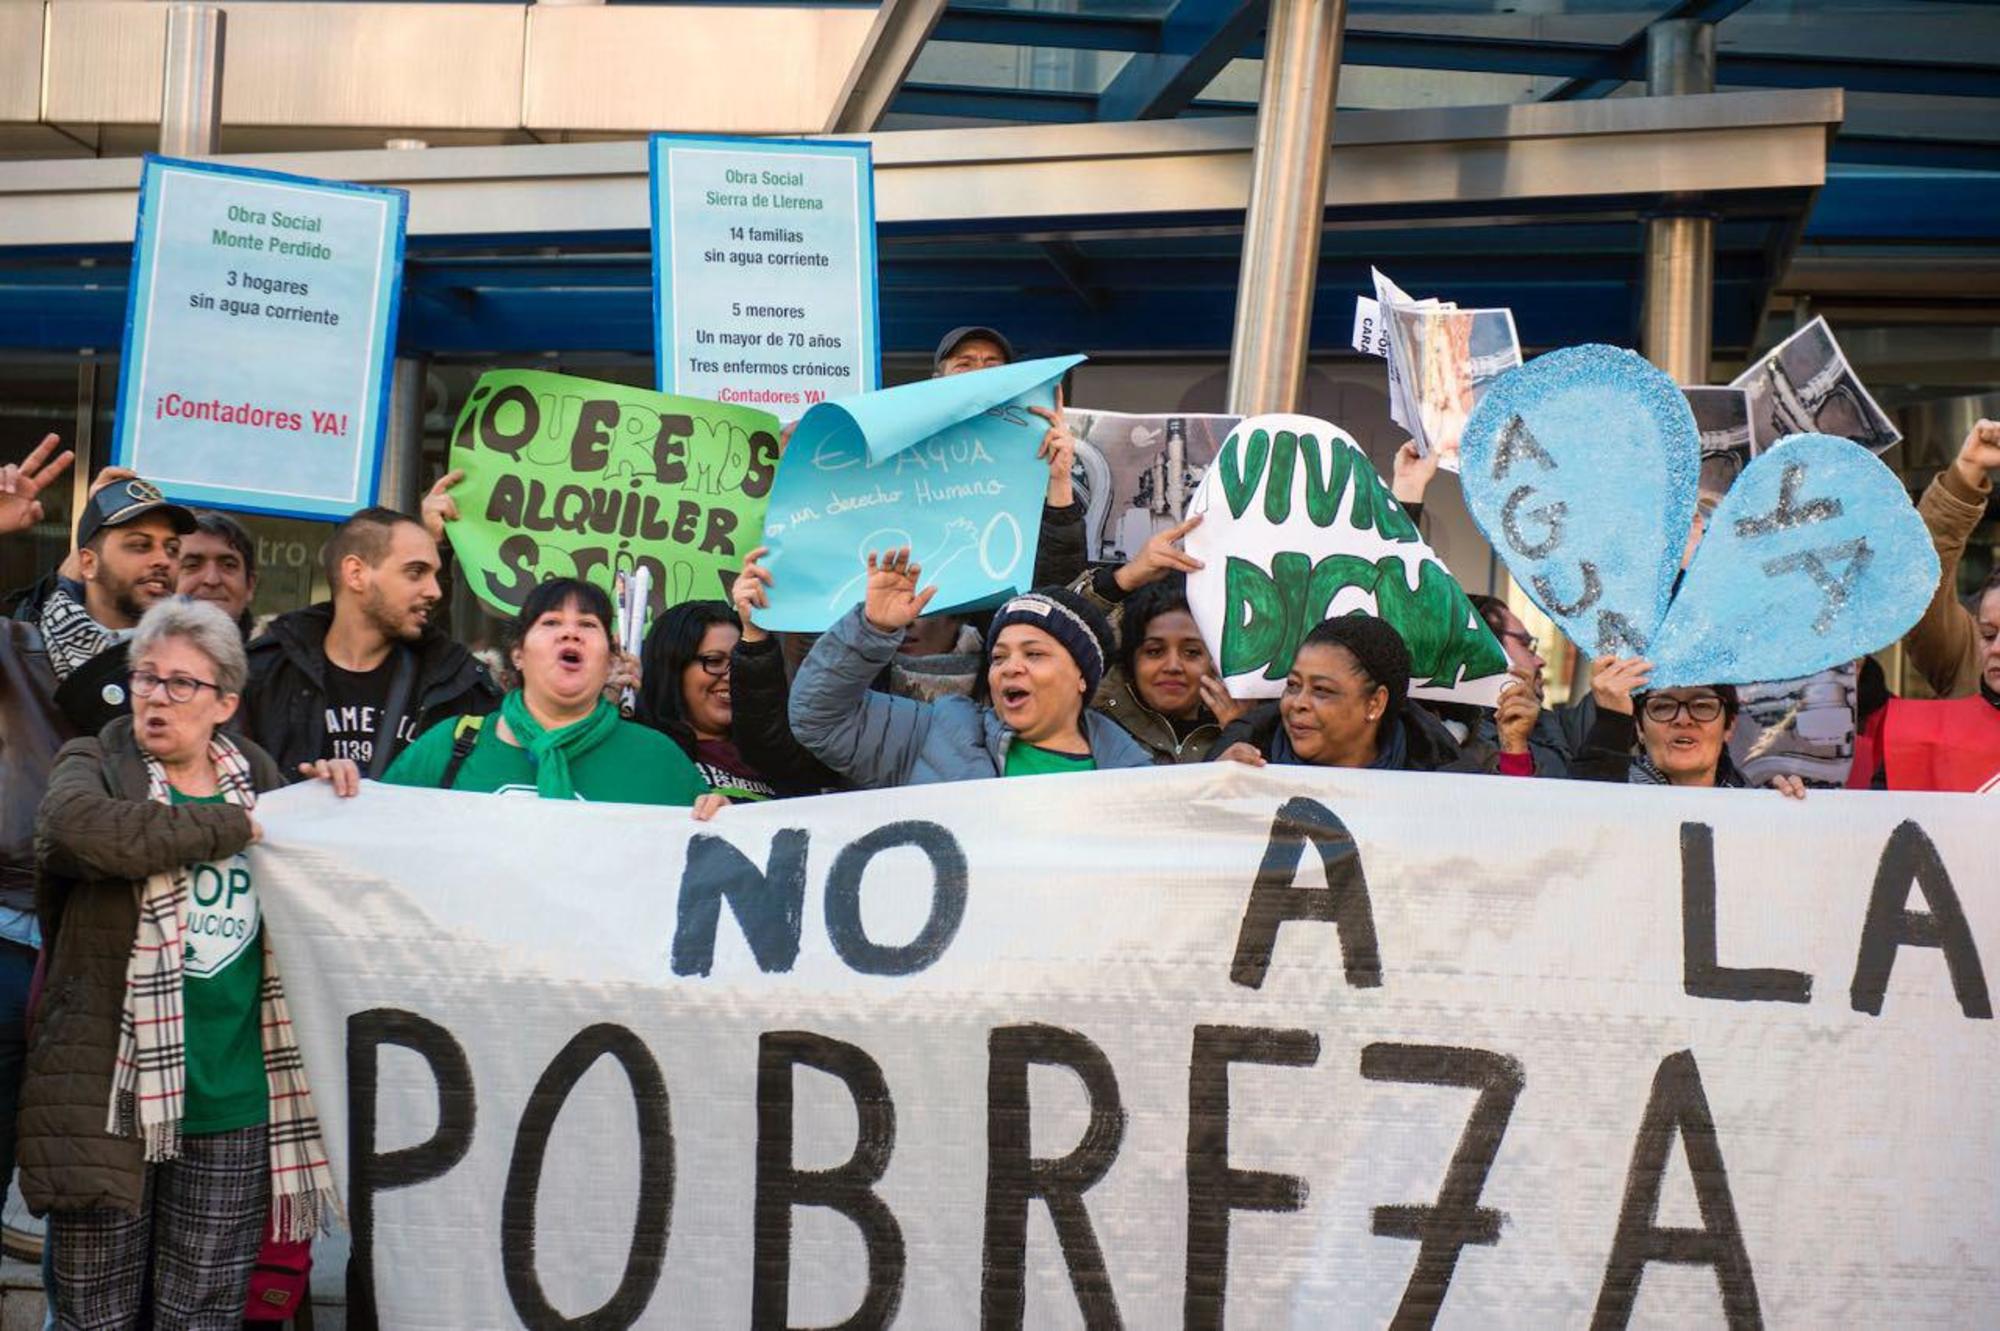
284	707
99	838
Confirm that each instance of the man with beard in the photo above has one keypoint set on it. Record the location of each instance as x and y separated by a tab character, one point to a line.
127	557
360	677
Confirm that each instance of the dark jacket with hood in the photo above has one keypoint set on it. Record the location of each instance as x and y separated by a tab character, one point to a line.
98	839
1414	741
284	707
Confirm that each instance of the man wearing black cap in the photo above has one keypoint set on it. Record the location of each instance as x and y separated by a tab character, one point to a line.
1061	555
127	560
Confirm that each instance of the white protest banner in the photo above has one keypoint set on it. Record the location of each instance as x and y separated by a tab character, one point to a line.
1154	1047
1296	528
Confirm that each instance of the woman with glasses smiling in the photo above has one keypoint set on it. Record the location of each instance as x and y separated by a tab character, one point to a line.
685	694
1682	734
158	1131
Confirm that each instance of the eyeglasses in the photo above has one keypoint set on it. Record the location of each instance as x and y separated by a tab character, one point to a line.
1528	640
714	663
180	688
1702	709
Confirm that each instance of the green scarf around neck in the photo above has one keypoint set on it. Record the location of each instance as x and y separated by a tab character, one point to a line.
552	751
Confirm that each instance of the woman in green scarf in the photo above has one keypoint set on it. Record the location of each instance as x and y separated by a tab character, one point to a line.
556	736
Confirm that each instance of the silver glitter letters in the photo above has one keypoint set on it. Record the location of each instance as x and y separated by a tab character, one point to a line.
1552	514
1789	513
1593	588
1814	562
1518	441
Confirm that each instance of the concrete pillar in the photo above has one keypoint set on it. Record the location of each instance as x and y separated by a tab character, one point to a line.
1281	228
402	486
1679	310
191	101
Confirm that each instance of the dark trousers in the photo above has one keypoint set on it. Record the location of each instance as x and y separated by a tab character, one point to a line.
17	970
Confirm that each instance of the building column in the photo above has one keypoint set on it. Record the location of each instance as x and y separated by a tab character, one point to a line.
1679	310
1281	227
402	485
191	100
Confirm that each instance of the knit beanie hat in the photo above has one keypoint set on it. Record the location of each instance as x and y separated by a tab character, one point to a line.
1374	643
1069	619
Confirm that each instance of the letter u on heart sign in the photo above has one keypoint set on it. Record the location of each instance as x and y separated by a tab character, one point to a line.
1581	467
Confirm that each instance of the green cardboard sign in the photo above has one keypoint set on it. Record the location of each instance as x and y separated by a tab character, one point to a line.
569	477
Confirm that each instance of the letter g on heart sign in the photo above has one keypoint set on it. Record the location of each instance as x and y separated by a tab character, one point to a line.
1581	467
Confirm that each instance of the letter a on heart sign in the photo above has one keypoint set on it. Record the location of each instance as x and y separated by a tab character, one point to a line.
1296	528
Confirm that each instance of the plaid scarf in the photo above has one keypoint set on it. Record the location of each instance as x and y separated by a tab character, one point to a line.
70	635
149	1079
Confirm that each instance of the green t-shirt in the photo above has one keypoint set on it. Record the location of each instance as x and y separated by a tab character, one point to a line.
1029	760
637	765
222	973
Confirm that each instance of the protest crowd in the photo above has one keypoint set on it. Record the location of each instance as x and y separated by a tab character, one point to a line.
160	1118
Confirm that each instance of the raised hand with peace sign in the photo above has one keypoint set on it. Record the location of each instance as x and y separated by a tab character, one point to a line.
20	483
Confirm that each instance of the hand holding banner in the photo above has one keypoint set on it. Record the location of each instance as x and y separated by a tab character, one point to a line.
945	466
568	477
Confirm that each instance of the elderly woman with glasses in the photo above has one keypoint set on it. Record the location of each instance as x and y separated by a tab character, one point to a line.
165	1115
1681	735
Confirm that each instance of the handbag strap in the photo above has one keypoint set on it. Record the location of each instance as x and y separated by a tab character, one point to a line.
463	737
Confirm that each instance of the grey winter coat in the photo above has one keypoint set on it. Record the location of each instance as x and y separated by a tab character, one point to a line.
877	740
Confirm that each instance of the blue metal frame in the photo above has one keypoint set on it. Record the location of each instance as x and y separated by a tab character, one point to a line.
152	173
1198	38
861	151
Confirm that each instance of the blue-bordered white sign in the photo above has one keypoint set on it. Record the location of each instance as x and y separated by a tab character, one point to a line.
764	275
259	327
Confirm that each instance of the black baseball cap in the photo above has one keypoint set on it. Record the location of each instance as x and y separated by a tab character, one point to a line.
127	501
958	335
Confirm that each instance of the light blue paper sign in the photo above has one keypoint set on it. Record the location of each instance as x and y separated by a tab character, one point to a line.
259	325
1580	467
1814	557
945	466
764	272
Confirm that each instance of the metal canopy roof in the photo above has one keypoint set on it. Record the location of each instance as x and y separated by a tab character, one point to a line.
1117	239
1478	156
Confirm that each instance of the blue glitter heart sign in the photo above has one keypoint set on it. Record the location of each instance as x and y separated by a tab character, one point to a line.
1813	558
1580	467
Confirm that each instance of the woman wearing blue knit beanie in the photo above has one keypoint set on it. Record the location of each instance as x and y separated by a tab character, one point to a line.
1047	651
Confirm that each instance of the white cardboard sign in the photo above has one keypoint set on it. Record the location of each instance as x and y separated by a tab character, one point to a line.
1297	527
